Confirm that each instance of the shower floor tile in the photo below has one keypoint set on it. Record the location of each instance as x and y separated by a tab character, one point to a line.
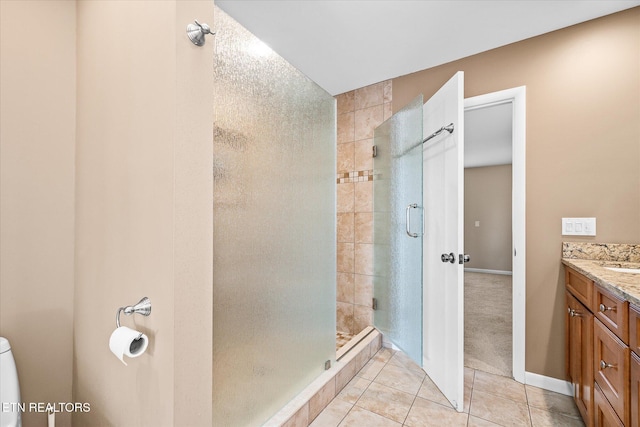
342	338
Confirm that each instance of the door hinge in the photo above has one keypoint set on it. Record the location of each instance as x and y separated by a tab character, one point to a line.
374	151
374	303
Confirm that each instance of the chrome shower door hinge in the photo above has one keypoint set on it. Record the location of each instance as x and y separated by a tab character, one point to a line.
374	151
327	365
374	303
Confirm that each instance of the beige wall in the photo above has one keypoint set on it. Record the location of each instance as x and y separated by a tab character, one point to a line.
143	211
583	149
359	112
487	199
37	134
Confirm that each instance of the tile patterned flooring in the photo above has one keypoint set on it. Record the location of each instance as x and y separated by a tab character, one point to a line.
393	391
342	338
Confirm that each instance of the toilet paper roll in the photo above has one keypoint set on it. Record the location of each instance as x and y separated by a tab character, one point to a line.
127	342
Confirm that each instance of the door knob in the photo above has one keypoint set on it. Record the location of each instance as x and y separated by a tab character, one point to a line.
450	257
463	258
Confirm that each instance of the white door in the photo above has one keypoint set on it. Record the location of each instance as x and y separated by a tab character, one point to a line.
443	268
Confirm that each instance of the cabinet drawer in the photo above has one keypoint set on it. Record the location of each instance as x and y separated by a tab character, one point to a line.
579	286
604	415
634	328
613	312
611	369
635	390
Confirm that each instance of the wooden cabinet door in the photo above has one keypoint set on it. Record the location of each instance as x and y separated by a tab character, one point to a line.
634	328
611	367
635	390
579	355
604	415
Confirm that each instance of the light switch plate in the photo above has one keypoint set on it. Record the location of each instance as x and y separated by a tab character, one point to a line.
578	226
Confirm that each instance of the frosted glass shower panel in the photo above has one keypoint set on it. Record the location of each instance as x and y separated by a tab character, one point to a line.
274	306
397	234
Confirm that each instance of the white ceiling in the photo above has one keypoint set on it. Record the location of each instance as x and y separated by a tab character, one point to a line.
488	136
348	44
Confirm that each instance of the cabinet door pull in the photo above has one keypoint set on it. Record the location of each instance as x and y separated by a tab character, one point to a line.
574	313
603	308
604	365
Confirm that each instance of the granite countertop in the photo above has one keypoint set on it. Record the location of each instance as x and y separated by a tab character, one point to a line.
591	259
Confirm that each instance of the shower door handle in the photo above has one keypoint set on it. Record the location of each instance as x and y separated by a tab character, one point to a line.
408	219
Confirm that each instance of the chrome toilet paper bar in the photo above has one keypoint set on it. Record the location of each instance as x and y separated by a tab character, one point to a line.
142	307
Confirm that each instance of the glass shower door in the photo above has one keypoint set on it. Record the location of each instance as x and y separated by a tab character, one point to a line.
398	225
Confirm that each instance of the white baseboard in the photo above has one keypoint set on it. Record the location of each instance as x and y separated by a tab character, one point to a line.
484	270
548	383
388	344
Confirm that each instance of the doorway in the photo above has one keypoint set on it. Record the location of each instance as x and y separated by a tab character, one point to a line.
495	231
438	127
488	239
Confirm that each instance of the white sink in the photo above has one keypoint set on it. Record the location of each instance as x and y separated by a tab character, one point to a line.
624	270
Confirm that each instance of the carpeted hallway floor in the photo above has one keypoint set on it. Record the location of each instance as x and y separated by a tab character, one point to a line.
487	322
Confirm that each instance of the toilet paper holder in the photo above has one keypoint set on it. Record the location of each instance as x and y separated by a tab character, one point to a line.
142	307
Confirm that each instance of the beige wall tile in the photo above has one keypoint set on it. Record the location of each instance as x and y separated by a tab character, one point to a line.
363	196
345	375
345	127
363	289
322	398
300	418
369	96
362	317
345	258
345	157
345	102
344	317
376	346
363	262
363	157
345	227
345	197
387	110
345	288
387	91
363	227
365	121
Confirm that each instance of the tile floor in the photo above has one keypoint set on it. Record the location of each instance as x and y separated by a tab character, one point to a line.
393	391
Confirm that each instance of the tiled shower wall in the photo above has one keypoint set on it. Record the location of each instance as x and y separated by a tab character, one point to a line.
359	113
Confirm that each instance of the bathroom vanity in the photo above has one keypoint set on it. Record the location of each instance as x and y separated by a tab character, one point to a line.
603	332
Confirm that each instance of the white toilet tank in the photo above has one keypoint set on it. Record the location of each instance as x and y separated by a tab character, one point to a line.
9	388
